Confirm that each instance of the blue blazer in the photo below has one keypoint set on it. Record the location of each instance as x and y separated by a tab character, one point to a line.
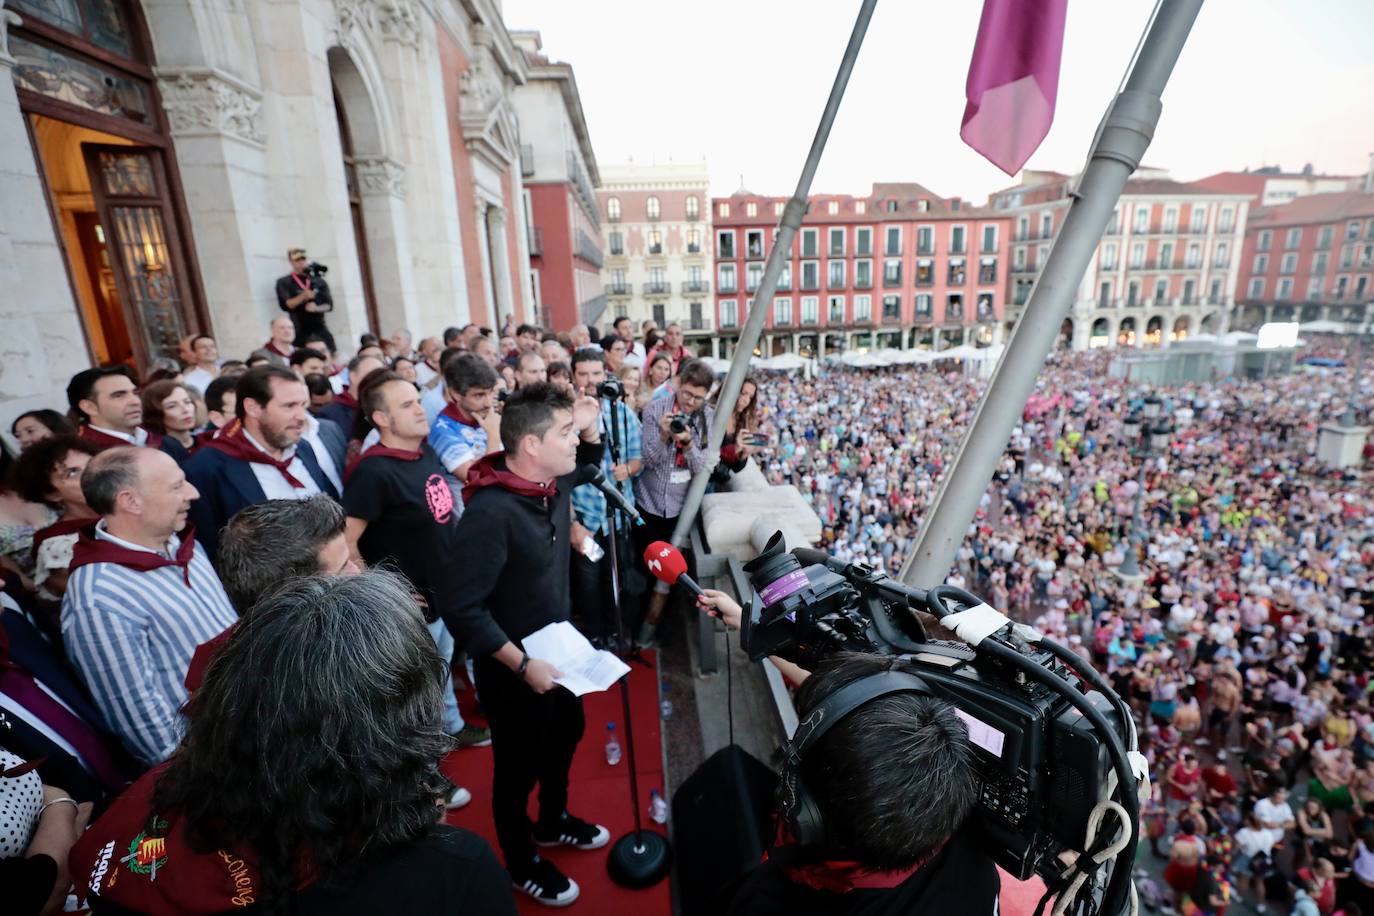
227	485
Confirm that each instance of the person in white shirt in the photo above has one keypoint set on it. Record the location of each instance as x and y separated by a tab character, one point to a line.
206	368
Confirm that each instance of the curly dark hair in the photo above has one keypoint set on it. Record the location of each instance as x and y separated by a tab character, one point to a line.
308	744
31	476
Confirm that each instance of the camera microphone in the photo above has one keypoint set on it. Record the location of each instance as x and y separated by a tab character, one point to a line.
668	565
612	493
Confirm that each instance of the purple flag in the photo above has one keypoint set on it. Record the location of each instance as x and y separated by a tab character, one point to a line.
1013	79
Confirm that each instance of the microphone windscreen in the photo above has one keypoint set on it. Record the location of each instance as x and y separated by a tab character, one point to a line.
810	556
665	561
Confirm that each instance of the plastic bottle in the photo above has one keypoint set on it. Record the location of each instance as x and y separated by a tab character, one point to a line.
658	808
612	745
665	705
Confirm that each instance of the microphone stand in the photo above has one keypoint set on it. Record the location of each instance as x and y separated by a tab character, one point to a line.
643	858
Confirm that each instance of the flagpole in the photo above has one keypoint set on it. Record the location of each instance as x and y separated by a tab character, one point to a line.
1121	141
782	248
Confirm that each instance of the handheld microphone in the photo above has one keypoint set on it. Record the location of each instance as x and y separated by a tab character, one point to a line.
612	493
667	564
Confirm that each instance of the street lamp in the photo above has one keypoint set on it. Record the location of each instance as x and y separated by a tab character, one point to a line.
1151	434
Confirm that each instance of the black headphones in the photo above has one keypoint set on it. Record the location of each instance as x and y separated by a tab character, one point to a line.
796	805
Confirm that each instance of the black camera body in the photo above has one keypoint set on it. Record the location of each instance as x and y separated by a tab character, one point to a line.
611	389
315	270
1041	764
679	423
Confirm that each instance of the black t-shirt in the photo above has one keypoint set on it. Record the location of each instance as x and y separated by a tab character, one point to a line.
411	509
961	879
305	322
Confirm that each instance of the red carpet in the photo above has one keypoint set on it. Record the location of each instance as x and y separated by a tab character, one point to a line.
597	792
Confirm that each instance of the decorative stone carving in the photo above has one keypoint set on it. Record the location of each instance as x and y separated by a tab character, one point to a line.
484	111
7	18
391	20
380	175
209	102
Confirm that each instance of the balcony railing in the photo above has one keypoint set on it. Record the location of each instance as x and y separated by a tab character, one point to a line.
728	322
1031	268
835	283
536	243
699	323
588	250
578	176
526	160
892	282
809	285
619	289
728	286
657	288
892	319
695	286
863	283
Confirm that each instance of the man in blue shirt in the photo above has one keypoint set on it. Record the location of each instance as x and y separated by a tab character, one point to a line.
469	427
591	579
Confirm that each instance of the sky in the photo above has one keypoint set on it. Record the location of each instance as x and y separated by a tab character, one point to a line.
741	84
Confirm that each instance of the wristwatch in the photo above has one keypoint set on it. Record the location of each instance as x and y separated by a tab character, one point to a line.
524	663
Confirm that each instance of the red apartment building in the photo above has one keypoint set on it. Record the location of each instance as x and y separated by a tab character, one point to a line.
902	267
1309	260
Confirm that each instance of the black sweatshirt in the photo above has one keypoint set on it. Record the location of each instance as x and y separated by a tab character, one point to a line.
511	566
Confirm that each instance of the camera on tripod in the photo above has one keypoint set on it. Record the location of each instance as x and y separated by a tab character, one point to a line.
1045	744
315	270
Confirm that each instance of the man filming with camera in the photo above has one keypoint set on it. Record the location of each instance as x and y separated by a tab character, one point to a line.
675	434
873	806
304	295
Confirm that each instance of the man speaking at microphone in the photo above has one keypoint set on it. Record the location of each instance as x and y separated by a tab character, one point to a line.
510	573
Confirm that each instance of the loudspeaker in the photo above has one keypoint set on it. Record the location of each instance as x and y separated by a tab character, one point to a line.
722	823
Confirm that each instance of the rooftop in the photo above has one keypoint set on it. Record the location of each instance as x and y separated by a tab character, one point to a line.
1315	209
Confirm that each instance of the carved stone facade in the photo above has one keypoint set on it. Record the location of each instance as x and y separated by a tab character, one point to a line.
391	20
209	102
379	175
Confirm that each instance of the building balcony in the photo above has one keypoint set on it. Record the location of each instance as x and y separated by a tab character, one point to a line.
1031	268
657	288
619	289
834	284
588	250
987	275
809	287
892	319
728	288
536	243
728	324
526	160
701	323
693	249
866	283
695	286
892	282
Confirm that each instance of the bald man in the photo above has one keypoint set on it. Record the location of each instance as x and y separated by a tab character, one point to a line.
281	344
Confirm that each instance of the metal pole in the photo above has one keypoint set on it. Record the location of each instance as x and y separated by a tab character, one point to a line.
1121	140
791	221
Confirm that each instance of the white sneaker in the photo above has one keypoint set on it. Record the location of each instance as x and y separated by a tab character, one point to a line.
459	799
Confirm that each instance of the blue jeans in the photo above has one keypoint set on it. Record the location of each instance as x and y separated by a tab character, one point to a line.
453	719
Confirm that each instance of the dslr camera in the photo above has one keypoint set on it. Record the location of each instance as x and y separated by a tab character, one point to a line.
611	389
1047	731
679	423
315	270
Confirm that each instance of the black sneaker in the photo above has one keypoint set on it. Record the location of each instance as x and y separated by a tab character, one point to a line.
545	883
571	831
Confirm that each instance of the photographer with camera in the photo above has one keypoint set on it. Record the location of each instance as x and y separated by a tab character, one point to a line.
742	440
888	786
674	450
304	295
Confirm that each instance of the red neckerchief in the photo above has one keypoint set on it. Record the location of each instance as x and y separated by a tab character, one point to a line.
58	528
347	399
839	876
486	473
104	440
236	445
272	345
430	363
453	412
381	451
91	549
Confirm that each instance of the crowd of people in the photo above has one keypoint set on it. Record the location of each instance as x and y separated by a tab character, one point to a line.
1242	644
171	544
145	528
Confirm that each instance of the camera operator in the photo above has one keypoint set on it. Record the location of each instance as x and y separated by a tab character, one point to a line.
304	296
674	450
894	782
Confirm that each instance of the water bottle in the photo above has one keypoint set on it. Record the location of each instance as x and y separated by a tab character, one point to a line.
665	705
612	745
658	808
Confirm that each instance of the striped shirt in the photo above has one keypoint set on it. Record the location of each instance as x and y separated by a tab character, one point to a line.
589	503
131	635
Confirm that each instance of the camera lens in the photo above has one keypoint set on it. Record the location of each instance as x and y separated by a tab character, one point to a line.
676	426
775	574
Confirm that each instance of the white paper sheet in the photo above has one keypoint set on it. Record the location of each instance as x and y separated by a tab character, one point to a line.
585	669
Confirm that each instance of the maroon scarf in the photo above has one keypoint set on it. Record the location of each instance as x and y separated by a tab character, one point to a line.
104	440
272	345
347	399
381	451
453	413
485	473
236	445
58	528
91	549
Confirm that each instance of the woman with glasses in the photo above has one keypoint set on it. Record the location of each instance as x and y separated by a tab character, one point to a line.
50	473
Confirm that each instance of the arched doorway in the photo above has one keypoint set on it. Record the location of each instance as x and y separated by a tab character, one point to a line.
1283	313
358	136
84	78
1211	322
1101	334
1154	331
1180	331
1065	341
1125	333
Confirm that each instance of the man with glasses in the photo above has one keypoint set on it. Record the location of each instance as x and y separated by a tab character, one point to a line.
674	450
306	299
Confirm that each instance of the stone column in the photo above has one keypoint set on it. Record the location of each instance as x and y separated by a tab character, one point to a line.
43	343
382	189
478	313
504	300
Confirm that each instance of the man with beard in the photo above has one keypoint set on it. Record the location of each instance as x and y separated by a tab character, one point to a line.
108	409
265	458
